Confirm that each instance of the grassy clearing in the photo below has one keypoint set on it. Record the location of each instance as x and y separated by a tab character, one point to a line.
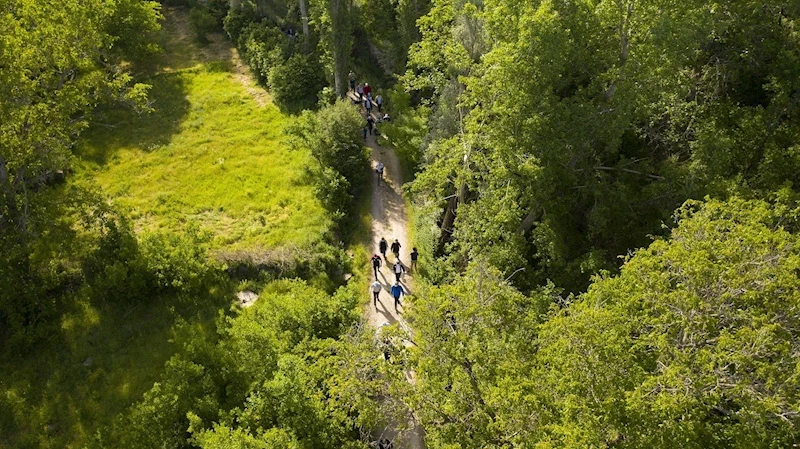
210	154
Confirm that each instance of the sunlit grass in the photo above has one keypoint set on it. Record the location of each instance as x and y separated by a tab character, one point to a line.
208	154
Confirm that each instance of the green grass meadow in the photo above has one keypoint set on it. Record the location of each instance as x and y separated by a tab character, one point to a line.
209	154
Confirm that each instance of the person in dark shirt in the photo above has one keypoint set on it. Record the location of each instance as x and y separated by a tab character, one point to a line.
383	246
396	249
414	257
370	124
376	264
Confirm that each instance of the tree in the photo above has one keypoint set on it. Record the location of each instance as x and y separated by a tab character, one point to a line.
691	344
475	341
333	24
59	61
332	135
583	126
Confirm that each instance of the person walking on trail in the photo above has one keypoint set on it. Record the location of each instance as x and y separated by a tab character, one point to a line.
352	77
360	92
384	443
371	124
367	89
368	105
376	264
376	288
396	249
414	257
397	291
383	245
379	170
398	269
379	102
364	132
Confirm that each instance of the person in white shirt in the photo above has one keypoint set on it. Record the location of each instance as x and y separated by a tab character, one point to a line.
376	291
399	269
379	169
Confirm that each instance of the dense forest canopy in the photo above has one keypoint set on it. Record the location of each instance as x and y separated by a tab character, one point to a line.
604	194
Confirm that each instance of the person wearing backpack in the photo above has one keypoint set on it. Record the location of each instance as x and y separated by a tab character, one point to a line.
370	124
396	249
383	245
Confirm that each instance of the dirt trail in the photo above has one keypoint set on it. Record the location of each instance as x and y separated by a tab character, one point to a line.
219	48
390	220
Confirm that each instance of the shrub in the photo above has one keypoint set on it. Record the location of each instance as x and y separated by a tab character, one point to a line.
178	262
332	135
238	19
295	83
202	22
219	10
264	47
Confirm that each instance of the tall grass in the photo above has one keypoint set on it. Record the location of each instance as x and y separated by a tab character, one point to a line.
209	154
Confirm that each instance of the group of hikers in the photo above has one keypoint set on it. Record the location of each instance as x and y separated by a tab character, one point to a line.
366	99
398	269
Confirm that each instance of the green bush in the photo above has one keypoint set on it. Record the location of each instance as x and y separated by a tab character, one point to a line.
238	19
332	135
219	10
179	262
264	47
295	83
202	23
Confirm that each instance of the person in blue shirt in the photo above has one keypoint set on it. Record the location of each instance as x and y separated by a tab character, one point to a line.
397	291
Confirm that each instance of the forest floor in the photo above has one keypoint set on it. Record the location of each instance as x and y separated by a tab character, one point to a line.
390	221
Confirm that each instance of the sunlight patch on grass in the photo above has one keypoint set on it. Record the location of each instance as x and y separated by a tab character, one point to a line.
208	154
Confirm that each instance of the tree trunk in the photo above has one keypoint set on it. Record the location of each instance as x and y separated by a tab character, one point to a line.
340	34
304	17
529	220
446	229
9	198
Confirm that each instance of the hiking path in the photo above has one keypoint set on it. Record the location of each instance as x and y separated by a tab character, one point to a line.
390	221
